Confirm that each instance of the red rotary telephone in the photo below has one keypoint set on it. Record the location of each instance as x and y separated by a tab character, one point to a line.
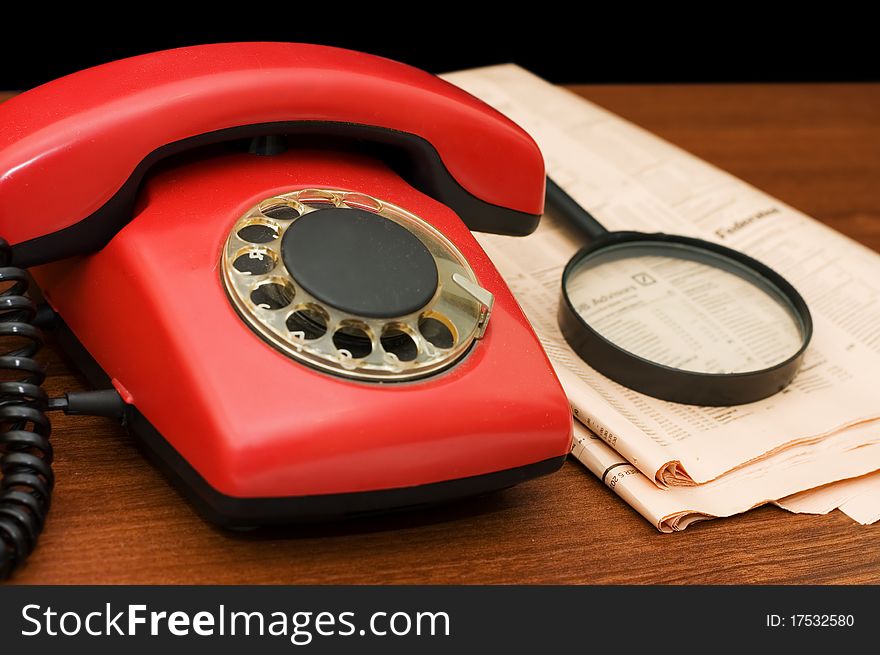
260	255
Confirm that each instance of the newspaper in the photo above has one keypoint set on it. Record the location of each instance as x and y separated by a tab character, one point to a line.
858	498
807	465
632	180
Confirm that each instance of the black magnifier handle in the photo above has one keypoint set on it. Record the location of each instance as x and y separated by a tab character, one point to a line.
573	212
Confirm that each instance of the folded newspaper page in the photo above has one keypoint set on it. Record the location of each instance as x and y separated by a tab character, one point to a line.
858	498
864	507
630	179
805	465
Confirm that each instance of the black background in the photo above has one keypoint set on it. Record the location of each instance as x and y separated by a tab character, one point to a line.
709	42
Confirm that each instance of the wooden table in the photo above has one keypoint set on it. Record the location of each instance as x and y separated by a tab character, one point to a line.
116	520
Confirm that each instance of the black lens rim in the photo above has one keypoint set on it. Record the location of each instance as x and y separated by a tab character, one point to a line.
664	382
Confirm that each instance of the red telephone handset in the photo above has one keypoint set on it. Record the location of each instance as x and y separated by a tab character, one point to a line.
265	250
84	142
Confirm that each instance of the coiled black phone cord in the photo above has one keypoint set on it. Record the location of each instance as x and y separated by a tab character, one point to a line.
26	477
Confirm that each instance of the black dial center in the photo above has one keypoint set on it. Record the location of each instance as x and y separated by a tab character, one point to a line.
359	262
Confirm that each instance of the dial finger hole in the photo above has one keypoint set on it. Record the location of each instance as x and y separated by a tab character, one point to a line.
353	339
283	212
273	295
258	232
360	201
254	261
399	342
308	320
317	199
437	330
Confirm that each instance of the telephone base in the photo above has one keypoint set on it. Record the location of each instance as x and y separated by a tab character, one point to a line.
241	513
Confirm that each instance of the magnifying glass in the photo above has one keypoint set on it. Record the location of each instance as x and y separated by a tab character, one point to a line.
678	318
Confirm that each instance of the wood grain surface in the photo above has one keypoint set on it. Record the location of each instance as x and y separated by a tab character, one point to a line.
116	520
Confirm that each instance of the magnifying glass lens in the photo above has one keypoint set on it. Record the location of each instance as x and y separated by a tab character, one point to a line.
685	307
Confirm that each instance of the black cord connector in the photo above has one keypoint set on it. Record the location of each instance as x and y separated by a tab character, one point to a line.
104	402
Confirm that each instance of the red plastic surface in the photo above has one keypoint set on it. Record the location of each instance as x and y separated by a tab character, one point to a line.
66	147
152	310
